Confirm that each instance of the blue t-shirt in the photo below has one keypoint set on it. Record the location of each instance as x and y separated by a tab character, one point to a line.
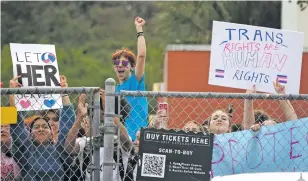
138	116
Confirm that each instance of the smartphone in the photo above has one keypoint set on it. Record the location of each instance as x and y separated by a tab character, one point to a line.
163	109
20	80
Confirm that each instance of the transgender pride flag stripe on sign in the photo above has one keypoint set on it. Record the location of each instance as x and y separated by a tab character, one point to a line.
219	73
282	79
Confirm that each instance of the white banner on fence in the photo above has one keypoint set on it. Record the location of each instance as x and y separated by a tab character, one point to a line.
243	56
281	176
38	67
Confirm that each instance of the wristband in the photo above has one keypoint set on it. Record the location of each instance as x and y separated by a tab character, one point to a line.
139	34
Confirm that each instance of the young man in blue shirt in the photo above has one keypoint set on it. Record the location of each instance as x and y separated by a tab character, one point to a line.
129	69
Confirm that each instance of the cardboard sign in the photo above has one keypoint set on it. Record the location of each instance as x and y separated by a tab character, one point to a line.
38	67
243	56
169	155
279	148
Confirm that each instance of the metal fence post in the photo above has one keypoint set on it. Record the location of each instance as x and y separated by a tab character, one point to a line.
109	129
96	133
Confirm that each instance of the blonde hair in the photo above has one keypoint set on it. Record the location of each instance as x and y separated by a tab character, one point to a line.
196	123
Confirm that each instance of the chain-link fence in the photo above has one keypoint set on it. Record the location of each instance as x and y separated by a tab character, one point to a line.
52	139
253	132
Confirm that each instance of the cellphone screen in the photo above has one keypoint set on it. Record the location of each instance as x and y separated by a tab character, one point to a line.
20	80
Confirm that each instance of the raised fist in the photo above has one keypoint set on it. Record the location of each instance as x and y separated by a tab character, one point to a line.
139	22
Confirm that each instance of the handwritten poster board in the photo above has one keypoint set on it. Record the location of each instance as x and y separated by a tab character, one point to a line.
38	67
169	155
243	56
279	148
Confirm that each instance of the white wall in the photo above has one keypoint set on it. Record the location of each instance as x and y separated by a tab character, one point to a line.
292	18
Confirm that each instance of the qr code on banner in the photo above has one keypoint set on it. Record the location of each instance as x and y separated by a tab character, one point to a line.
153	165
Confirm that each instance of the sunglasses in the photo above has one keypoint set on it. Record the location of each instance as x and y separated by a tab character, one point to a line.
117	62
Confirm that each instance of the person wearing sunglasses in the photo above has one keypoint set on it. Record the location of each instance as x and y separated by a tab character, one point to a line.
129	69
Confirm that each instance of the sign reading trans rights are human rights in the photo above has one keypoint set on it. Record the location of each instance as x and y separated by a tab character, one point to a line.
243	56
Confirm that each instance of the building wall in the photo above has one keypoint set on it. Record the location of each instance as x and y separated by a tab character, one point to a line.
187	70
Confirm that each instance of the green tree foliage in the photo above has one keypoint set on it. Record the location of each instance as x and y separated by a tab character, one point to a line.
191	22
87	33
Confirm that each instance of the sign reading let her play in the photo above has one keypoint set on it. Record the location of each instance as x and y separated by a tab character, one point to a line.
243	56
37	65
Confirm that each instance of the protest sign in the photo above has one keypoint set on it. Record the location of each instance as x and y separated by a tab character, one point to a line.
279	176
279	148
172	155
243	56
38	67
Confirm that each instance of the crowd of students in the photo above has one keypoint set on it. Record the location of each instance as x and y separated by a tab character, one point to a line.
53	145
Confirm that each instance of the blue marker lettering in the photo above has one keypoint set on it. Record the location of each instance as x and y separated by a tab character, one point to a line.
279	37
258	33
236	75
268	36
230	33
240	33
266	79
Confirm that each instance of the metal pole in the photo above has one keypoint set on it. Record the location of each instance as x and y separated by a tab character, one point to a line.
109	129
96	132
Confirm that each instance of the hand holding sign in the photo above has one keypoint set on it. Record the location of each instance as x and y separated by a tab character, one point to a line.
82	105
14	82
255	127
252	91
280	89
63	82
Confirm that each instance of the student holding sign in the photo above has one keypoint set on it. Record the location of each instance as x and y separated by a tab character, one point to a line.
37	155
52	115
251	118
130	72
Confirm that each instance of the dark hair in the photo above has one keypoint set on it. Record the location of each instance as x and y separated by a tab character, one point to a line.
45	112
124	108
32	123
260	116
206	122
81	133
236	127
